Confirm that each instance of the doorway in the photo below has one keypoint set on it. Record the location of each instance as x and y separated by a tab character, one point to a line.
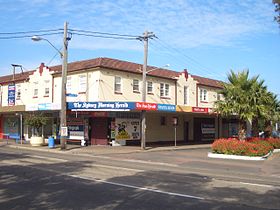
99	130
186	132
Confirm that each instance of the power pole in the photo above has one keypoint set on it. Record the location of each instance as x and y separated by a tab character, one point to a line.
145	38
63	122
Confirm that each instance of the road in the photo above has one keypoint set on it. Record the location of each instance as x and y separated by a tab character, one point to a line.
155	180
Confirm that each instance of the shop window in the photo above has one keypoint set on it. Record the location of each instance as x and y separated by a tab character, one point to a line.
135	85
203	95
162	120
118	84
150	88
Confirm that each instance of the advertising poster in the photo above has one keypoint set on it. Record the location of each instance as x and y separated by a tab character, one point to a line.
11	94
207	131
127	129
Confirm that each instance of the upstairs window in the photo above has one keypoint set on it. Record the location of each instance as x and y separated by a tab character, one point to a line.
150	88
203	95
164	90
35	90
82	83
47	89
68	85
18	92
135	85
185	95
118	85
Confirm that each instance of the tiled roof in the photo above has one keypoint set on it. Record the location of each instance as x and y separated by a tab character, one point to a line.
208	82
115	65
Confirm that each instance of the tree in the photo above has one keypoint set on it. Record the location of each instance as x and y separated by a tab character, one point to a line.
277	9
249	99
36	122
237	101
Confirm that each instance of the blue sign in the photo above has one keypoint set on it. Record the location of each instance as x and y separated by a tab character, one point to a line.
11	94
166	107
46	106
101	106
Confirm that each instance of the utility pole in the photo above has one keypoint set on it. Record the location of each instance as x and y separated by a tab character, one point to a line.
145	38
63	122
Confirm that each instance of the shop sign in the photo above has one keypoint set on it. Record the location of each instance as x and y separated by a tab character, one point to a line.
199	109
207	128
100	106
99	114
11	94
166	107
180	108
76	132
127	129
146	106
42	107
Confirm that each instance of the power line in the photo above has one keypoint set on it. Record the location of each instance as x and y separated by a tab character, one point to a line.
28	36
107	37
103	33
29	32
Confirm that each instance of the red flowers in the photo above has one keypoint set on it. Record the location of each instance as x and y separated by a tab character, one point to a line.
250	147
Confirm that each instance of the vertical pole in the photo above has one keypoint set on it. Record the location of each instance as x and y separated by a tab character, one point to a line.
175	130
143	122
63	88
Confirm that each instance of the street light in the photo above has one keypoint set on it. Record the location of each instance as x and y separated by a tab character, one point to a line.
64	56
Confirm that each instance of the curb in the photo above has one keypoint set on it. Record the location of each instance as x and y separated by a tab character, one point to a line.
238	157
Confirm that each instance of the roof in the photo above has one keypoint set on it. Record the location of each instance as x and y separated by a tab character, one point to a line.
115	64
208	82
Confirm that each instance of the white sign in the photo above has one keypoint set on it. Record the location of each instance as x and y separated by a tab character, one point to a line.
64	131
127	129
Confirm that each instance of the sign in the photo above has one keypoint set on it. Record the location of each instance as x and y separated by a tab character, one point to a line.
11	94
146	106
181	108
100	106
76	132
207	131
199	110
127	129
175	121
42	107
64	131
166	107
99	114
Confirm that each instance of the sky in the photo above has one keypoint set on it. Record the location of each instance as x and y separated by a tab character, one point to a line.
207	37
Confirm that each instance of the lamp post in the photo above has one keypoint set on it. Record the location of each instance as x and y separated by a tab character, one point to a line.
64	56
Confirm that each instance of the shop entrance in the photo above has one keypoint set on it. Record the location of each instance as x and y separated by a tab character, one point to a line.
99	130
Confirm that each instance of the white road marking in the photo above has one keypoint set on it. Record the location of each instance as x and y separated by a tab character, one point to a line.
258	185
116	167
138	188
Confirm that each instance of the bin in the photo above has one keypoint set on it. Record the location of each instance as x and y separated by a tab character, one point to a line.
51	142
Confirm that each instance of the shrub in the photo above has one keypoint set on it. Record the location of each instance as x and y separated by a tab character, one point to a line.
253	147
274	142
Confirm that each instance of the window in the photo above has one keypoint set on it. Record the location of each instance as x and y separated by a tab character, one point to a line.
82	83
68	85
47	89
164	90
135	85
150	88
118	84
35	90
203	95
185	95
219	96
18	92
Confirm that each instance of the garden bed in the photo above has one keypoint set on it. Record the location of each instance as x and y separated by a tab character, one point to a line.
250	149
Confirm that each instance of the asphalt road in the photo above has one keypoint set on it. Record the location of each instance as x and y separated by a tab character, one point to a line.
158	180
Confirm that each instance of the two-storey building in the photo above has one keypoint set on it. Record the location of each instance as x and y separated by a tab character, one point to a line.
104	103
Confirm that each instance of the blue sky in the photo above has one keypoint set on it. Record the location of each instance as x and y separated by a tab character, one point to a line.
207	37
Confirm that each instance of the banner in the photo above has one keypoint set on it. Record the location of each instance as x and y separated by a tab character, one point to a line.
127	129
11	94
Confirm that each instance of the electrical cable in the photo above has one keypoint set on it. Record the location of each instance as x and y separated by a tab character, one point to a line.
107	37
29	36
103	33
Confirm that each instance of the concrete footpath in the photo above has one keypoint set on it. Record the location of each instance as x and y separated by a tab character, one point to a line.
100	149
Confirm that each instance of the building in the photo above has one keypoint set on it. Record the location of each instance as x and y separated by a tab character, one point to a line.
104	103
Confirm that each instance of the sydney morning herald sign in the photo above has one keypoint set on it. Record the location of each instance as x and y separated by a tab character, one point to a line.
101	106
